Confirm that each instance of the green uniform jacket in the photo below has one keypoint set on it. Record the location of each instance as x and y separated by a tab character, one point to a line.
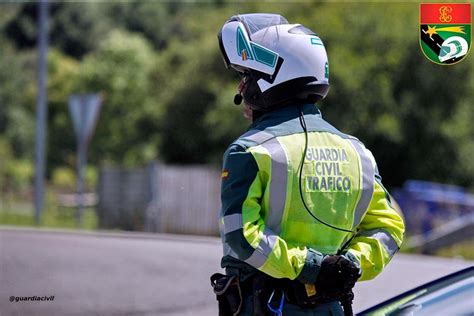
263	222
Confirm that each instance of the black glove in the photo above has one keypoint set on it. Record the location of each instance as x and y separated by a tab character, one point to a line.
337	277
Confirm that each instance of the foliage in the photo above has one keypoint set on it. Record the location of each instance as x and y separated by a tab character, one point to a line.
64	178
19	214
17	99
61	139
121	70
192	117
15	174
462	250
157	21
76	28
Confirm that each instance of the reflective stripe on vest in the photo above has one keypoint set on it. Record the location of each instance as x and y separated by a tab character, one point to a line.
278	184
263	250
384	238
260	254
257	136
232	222
368	178
279	176
228	251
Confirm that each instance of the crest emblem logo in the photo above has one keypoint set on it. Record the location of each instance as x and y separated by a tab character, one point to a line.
445	31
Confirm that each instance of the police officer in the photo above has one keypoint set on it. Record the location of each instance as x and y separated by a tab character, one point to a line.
304	213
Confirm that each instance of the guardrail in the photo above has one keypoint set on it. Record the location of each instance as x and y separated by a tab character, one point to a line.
455	231
429	205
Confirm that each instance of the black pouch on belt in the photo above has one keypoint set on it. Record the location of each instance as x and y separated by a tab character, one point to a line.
304	295
228	293
262	287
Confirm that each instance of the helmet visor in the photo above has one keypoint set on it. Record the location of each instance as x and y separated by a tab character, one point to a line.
250	24
255	22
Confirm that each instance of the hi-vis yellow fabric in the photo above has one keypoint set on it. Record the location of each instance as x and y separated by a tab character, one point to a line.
264	224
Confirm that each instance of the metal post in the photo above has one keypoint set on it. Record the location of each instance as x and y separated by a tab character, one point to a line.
81	161
41	110
152	220
84	109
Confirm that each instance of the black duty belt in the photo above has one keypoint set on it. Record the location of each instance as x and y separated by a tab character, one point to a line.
296	293
268	294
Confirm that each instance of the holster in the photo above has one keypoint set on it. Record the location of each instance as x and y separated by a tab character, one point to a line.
228	293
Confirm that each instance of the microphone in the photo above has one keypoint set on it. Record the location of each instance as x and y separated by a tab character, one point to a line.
238	99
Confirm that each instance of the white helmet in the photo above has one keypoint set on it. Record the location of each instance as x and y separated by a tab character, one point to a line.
280	62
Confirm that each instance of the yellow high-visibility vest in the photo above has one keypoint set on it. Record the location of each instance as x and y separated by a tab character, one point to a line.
264	223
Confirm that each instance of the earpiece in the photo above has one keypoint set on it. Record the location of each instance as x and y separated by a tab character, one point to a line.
238	99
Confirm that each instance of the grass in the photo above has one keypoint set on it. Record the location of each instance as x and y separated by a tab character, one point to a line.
20	213
464	250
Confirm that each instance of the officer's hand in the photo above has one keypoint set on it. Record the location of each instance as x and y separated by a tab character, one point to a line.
337	276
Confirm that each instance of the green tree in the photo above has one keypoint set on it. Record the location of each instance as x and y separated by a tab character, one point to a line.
432	102
17	101
157	21
74	28
121	70
196	91
62	73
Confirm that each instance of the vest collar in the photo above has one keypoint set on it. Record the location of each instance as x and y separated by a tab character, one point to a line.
288	113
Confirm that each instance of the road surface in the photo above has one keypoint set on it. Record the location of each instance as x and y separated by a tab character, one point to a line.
146	274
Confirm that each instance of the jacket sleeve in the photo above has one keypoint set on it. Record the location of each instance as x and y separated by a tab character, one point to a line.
243	227
380	233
